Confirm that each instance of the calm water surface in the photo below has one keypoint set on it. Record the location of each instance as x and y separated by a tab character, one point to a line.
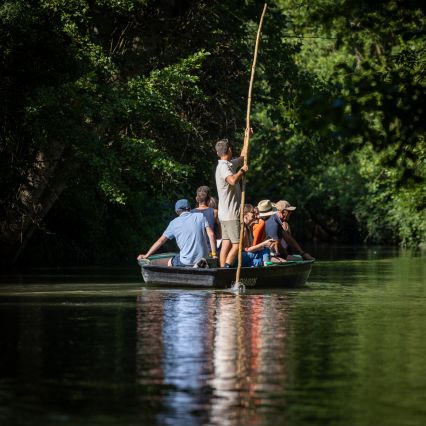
95	347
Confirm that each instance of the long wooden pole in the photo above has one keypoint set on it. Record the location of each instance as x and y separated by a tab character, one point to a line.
246	147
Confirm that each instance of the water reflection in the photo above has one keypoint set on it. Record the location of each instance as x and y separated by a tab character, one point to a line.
220	355
347	350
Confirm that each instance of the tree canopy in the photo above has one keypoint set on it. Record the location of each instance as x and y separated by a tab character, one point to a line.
110	110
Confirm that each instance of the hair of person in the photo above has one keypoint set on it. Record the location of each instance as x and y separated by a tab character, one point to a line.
222	147
203	195
213	203
248	208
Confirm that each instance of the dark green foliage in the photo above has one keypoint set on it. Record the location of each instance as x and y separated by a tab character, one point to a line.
110	110
352	144
116	103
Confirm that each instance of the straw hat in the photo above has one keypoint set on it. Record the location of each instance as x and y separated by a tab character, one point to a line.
284	205
266	208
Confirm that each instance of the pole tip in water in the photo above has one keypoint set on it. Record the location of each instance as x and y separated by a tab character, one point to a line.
238	287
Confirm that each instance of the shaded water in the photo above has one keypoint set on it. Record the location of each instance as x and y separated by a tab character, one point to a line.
98	348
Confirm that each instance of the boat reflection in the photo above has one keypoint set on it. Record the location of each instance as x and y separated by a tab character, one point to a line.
219	358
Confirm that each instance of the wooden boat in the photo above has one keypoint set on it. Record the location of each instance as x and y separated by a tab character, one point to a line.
280	275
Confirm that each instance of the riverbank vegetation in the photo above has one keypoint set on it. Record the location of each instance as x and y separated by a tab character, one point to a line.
110	110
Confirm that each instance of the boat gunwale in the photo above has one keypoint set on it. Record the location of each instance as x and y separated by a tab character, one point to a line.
210	271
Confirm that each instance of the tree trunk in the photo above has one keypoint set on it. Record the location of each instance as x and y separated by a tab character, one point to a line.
44	183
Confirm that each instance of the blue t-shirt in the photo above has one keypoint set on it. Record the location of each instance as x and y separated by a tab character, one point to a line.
209	215
189	230
273	228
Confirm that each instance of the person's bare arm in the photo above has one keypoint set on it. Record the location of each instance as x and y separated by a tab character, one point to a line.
295	245
244	150
212	240
153	248
264	244
275	246
218	226
235	178
216	216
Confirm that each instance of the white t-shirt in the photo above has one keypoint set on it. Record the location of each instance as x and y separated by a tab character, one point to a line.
229	195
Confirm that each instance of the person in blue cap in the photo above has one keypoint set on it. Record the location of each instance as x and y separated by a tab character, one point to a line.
189	229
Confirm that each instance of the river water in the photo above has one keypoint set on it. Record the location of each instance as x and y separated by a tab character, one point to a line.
96	347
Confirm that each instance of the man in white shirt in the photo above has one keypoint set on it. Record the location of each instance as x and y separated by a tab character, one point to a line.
229	194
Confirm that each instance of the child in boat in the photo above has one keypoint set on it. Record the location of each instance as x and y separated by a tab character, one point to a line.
203	199
263	210
213	203
254	254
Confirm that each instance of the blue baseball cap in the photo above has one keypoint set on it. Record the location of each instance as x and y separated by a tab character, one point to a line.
182	205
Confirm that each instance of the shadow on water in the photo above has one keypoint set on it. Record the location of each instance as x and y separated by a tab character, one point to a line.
100	349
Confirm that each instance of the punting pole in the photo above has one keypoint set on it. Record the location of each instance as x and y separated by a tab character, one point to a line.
237	283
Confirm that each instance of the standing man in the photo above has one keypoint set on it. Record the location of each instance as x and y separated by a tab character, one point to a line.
189	230
229	193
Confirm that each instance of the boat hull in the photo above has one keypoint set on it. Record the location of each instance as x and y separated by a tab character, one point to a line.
285	275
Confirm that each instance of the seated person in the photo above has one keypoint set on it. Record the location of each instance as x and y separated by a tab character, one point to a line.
213	203
264	210
277	228
189	230
203	199
258	254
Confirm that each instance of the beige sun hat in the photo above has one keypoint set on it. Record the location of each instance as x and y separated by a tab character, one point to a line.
284	205
266	208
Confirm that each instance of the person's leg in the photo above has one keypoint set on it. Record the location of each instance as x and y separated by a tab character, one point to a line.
230	239
226	243
175	261
247	259
224	250
266	255
233	230
257	258
232	255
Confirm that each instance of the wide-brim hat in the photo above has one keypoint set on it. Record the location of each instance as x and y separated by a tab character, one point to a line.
266	208
284	205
